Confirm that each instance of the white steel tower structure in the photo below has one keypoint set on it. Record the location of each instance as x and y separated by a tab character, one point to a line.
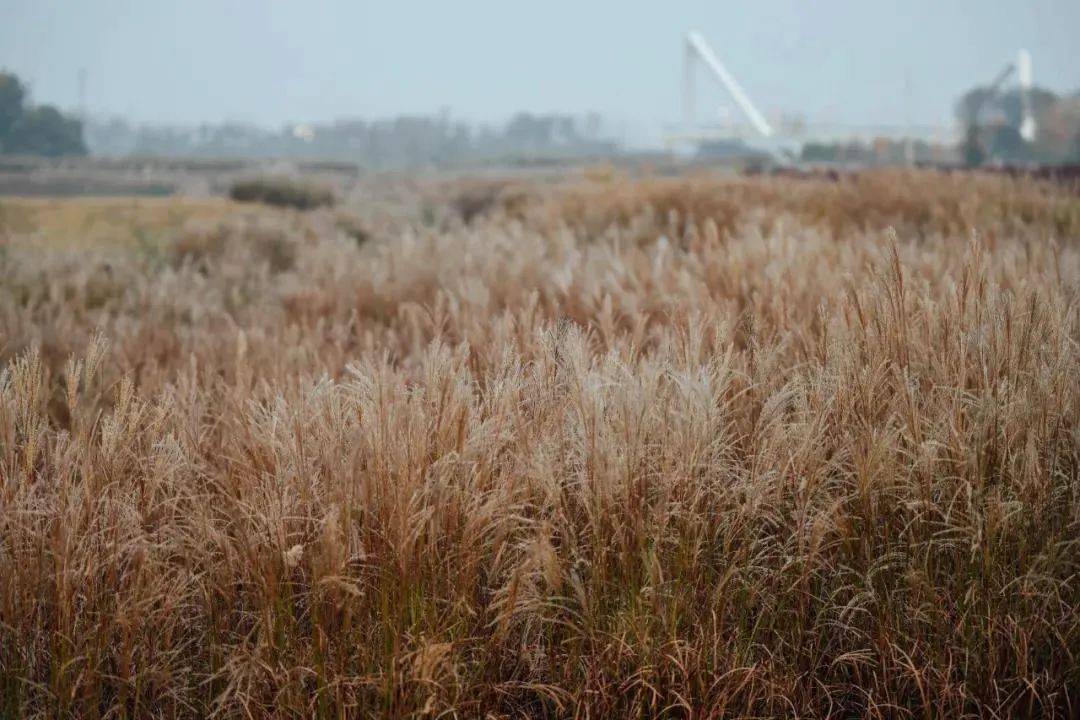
698	49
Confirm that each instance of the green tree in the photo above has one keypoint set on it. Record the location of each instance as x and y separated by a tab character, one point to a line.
12	96
44	130
1007	145
974	154
980	105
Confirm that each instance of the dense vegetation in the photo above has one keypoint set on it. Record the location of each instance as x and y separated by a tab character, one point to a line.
610	449
34	129
281	192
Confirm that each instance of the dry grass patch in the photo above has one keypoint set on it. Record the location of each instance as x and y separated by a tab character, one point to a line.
672	449
96	222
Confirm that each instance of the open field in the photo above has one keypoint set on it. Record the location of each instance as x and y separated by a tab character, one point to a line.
95	223
597	448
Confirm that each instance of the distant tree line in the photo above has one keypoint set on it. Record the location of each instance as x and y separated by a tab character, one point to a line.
991	123
27	129
402	142
882	151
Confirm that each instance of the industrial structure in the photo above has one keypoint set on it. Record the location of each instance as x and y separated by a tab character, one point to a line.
785	135
1023	72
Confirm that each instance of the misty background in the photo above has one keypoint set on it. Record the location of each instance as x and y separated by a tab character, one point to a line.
595	74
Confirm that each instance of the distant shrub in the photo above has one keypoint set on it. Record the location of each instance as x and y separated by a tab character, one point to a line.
476	200
354	227
281	192
483	198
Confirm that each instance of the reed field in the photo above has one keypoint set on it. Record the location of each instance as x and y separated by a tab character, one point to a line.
598	447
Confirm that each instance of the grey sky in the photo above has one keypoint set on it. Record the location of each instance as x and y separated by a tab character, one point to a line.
272	61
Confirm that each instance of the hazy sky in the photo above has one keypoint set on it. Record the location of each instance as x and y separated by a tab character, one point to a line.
276	61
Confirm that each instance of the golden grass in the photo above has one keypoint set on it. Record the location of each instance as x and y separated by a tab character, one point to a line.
93	222
663	449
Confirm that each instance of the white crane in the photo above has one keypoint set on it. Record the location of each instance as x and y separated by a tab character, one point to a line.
698	48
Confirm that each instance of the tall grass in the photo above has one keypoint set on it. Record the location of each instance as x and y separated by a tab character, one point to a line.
620	456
